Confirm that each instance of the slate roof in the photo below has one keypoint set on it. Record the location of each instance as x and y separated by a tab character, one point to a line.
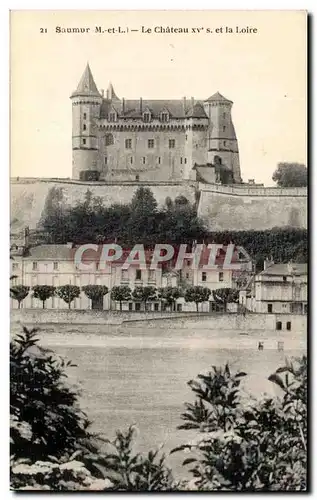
86	86
50	252
283	270
217	97
175	107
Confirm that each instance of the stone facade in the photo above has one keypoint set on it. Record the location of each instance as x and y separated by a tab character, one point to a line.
149	140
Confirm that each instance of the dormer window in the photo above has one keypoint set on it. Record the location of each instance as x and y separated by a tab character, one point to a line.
164	116
112	117
147	117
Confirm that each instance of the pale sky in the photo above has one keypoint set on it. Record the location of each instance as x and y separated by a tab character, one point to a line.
264	73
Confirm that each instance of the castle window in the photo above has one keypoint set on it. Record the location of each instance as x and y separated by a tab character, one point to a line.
112	117
181	160
34	266
106	160
171	143
185	160
186	137
147	117
224	128
85	116
203	276
224	115
150	143
131	160
109	140
164	117
143	160
225	143
84	127
84	141
159	160
137	177
128	144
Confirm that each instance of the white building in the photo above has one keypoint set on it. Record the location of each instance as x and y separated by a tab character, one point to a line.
279	288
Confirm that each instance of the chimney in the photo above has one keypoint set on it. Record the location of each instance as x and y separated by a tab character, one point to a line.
267	263
184	104
141	105
123	105
102	92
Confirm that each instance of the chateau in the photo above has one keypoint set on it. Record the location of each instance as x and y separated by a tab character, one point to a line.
151	140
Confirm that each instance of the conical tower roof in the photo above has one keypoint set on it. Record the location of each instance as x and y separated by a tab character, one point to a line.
86	85
111	93
217	97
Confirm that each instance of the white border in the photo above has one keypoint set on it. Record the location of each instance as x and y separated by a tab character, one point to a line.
4	185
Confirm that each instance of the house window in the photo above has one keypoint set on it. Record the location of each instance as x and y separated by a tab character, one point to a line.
138	274
151	275
147	117
278	325
270	308
130	306
34	266
305	308
221	276
137	177
106	160
187	276
143	160
164	117
112	117
109	139
203	276
171	143
284	279
137	306
85	116
124	275
150	143
128	143
159	160
84	126
84	141
288	325
156	306
55	266
15	266
179	307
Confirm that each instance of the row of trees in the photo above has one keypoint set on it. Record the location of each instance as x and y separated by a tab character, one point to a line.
142	221
123	293
241	443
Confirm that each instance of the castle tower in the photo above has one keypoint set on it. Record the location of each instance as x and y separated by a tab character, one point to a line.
86	102
222	144
195	144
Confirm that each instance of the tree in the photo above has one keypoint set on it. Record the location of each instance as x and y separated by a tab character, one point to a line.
95	292
197	294
142	226
68	293
225	296
290	175
144	294
258	446
19	292
43	292
169	295
121	294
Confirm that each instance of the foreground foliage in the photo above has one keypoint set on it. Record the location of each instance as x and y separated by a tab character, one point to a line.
242	444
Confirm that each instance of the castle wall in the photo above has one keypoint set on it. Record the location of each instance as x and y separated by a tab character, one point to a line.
160	163
222	207
245	208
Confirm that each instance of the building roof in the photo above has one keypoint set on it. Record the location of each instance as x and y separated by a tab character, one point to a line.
86	86
285	270
217	97
196	111
50	252
111	93
177	108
